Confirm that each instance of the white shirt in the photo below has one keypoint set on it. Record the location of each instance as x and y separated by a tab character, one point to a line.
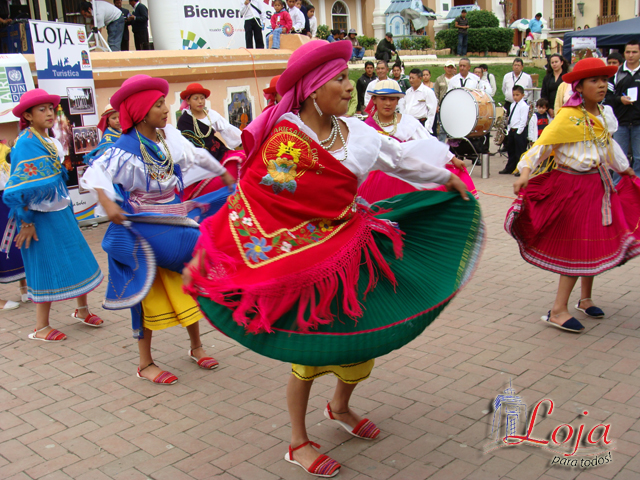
421	103
518	116
580	156
230	134
485	87
105	14
248	12
532	135
313	26
511	79
367	150
458	81
124	168
370	88
491	78
297	18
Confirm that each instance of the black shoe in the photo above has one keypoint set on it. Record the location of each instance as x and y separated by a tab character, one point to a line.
516	174
505	172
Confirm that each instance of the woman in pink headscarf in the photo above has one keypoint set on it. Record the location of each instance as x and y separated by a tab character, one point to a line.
285	267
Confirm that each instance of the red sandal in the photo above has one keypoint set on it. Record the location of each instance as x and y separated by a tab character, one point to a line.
323	466
90	320
208	363
164	378
53	335
366	429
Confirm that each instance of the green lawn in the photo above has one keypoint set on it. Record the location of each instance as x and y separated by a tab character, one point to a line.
499	70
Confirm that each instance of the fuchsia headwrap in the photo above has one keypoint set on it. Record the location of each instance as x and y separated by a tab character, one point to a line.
576	98
134	108
309	68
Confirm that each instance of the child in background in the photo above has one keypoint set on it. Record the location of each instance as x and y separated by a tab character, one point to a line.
539	120
297	18
517	135
280	23
313	21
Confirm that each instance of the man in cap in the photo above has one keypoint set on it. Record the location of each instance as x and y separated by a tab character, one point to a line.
386	48
358	50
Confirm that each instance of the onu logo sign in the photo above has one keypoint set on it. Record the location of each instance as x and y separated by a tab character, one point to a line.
52	35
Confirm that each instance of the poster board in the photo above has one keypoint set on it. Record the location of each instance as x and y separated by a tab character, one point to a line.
15	80
64	68
204	24
583	47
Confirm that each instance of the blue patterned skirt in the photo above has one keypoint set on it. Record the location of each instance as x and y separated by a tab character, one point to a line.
11	266
60	265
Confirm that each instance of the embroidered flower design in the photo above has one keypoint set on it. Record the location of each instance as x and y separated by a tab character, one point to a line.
233	216
281	175
325	225
30	169
255	249
285	247
247	221
311	228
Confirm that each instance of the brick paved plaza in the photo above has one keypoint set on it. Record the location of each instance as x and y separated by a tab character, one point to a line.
77	411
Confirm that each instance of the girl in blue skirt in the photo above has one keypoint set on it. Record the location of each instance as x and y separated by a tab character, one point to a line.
58	262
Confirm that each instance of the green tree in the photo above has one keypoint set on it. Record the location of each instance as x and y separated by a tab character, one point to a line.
482	19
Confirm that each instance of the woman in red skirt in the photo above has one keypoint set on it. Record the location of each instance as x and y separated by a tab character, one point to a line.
571	220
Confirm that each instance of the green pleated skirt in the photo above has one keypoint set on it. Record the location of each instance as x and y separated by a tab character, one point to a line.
443	238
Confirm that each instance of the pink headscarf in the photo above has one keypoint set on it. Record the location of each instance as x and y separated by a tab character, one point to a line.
576	99
134	108
258	130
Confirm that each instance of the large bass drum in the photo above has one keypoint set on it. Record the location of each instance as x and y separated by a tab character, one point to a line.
467	113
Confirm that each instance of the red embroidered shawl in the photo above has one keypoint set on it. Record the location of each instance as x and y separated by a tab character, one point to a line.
292	233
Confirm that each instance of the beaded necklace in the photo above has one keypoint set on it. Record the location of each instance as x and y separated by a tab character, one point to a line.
336	132
158	170
51	148
603	139
394	122
196	128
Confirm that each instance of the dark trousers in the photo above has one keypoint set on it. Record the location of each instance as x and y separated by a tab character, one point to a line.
516	146
141	40
386	56
124	46
253	31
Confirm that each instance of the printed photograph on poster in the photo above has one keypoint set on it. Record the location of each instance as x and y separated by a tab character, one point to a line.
85	139
81	100
80	171
240	109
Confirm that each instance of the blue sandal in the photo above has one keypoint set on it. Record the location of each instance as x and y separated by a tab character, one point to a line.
571	325
593	312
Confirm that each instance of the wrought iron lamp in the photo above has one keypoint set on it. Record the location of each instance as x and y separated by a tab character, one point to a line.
581	7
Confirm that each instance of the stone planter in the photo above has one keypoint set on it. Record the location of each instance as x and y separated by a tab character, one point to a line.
369	53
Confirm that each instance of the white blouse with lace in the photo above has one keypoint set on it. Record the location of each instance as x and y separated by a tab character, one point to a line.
368	151
124	168
229	133
580	156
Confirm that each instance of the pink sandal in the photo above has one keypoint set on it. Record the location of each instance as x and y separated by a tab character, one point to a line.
53	335
366	429
90	320
163	378
208	363
323	466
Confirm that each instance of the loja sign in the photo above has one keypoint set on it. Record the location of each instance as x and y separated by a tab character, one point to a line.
187	25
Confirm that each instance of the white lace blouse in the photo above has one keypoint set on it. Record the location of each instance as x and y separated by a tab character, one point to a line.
124	168
580	156
368	151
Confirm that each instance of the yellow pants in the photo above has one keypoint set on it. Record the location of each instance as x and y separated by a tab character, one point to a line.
353	373
167	305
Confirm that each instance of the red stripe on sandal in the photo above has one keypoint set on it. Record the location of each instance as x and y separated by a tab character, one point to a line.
55	336
366	429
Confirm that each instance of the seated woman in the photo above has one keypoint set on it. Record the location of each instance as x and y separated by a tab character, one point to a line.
143	168
290	267
384	119
199	125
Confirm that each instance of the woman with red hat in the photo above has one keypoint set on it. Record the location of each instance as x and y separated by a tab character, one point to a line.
199	125
142	170
289	268
271	94
58	262
571	221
